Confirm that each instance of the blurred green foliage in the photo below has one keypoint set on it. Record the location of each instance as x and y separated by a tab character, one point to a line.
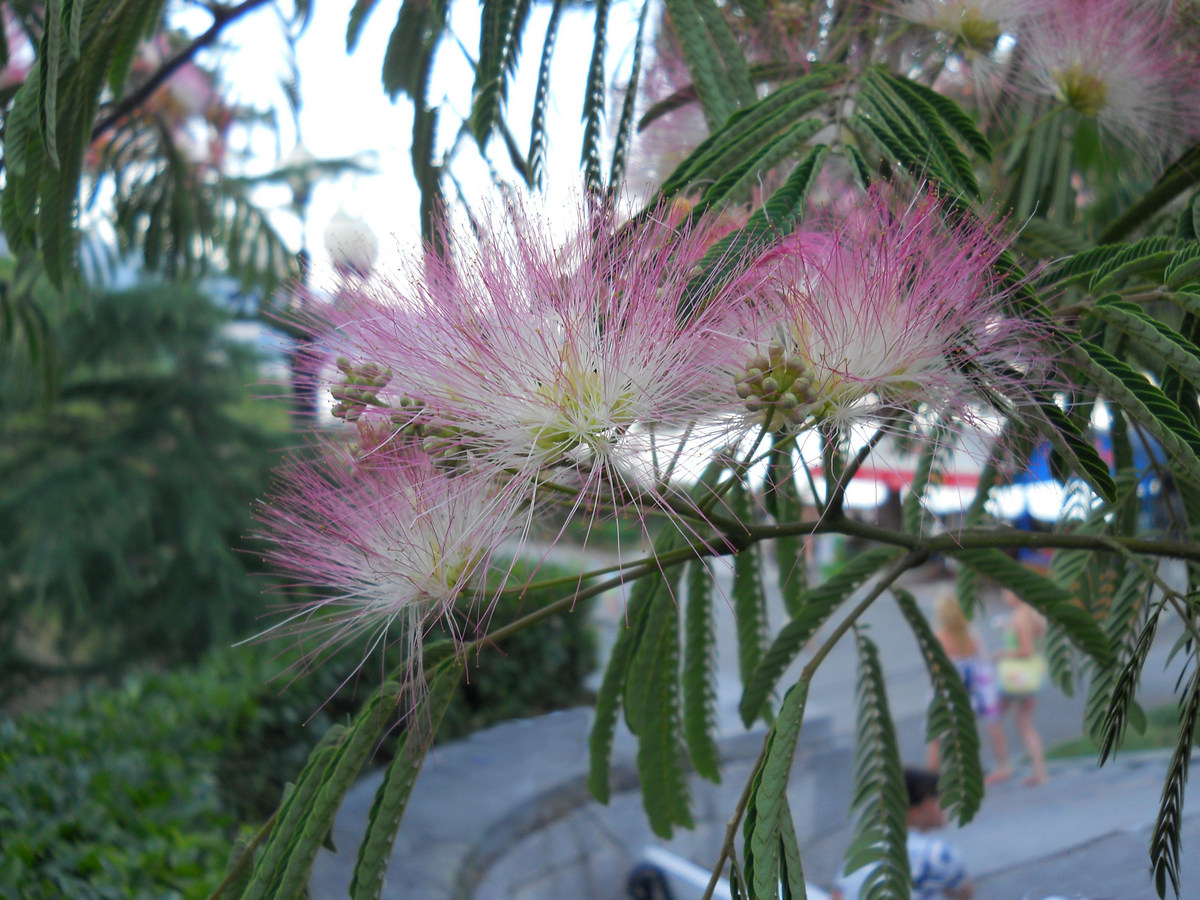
136	791
125	494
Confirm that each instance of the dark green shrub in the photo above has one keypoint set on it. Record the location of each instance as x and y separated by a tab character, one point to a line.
112	794
124	498
136	791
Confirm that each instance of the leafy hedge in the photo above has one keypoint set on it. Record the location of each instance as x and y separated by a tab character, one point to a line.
137	791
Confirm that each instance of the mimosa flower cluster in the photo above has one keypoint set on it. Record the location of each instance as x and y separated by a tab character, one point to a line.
530	373
1121	63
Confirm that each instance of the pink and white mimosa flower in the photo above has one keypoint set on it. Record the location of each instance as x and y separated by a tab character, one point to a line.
1119	62
541	361
890	308
393	541
971	26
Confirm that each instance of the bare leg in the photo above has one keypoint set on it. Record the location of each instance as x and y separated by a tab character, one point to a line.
933	756
1003	768
1032	741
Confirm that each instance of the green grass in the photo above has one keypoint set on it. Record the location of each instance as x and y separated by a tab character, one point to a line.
1160	731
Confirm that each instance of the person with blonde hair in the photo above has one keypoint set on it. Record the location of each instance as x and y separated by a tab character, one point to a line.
962	644
1021	668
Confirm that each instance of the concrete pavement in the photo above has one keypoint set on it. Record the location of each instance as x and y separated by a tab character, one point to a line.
505	813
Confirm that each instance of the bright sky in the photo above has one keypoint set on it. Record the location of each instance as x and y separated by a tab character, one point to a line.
345	112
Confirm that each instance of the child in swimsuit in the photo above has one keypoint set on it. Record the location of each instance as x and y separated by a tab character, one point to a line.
962	644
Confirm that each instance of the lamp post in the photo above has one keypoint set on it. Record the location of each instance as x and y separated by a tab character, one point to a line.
299	168
352	246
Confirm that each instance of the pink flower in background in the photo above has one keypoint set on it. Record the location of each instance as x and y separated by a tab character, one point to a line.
971	26
21	53
889	308
391	542
545	362
1118	62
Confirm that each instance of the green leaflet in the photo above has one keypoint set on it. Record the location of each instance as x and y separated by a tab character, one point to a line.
652	711
1168	826
951	718
749	129
238	872
716	63
1176	178
1123	690
897	146
292	812
1069	443
1173	384
950	113
536	160
594	100
1110	263
1162	341
73	26
966	581
625	125
1043	595
791	872
140	20
1061	659
358	18
702	60
1043	239
612	687
47	60
785	73
765	833
880	797
502	24
749	594
1077	267
345	764
858	165
419	26
735	184
1127	601
921	118
1189	217
736	73
912	509
391	798
771	221
1151	254
1033	166
1143	403
50	122
789	549
736	885
699	673
1186	264
1069	569
814	607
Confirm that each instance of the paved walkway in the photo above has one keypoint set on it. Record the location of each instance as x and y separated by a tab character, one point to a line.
505	813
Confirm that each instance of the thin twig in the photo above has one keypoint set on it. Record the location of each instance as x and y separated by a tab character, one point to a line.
833	505
222	16
245	857
899	567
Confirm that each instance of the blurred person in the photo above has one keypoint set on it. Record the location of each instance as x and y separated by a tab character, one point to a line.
1021	668
963	645
937	867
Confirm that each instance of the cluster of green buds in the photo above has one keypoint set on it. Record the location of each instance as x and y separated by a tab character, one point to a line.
778	384
410	424
1081	90
977	31
359	389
